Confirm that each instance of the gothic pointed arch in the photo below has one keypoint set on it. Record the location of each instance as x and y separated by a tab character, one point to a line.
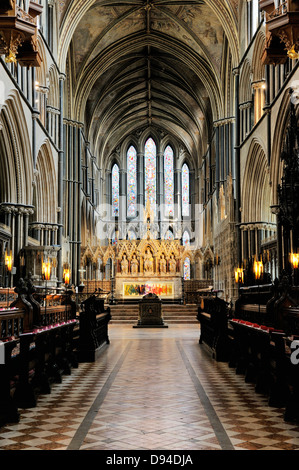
53	80
245	82
16	151
281	124
256	191
46	186
257	65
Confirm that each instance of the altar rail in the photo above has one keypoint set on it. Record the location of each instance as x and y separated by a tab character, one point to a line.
193	290
11	323
92	286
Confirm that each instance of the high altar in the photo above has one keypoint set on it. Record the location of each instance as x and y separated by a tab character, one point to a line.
148	266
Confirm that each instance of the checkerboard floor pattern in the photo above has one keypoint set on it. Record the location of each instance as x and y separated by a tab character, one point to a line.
152	389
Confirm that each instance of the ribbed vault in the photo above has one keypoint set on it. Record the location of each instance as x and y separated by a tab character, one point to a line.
141	63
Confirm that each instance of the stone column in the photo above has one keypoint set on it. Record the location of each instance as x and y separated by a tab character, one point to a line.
217	160
60	210
236	73
76	281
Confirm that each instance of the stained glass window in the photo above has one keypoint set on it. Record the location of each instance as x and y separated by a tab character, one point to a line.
168	181
131	181
186	238
115	190
150	173
131	235
169	235
185	191
187	270
114	238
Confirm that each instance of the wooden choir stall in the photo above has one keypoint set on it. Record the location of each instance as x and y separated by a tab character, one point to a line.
260	332
44	334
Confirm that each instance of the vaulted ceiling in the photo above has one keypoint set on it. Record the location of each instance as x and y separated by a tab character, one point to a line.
140	63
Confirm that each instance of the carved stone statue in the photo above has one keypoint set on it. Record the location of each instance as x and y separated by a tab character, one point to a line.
163	265
172	265
134	265
124	265
148	262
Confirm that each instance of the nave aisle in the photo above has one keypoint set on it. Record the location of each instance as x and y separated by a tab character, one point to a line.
152	389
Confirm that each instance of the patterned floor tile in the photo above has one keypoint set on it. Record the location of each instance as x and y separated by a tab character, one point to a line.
152	390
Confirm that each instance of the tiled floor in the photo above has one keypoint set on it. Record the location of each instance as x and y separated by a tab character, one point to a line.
152	389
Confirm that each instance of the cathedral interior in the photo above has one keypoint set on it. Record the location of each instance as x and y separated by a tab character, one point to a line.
149	154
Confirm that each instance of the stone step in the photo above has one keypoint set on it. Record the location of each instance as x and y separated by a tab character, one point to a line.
173	313
168	314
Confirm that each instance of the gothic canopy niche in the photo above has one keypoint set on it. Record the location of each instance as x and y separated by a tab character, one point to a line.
140	63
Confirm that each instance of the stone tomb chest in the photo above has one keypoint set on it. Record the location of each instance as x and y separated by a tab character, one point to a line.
150	312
